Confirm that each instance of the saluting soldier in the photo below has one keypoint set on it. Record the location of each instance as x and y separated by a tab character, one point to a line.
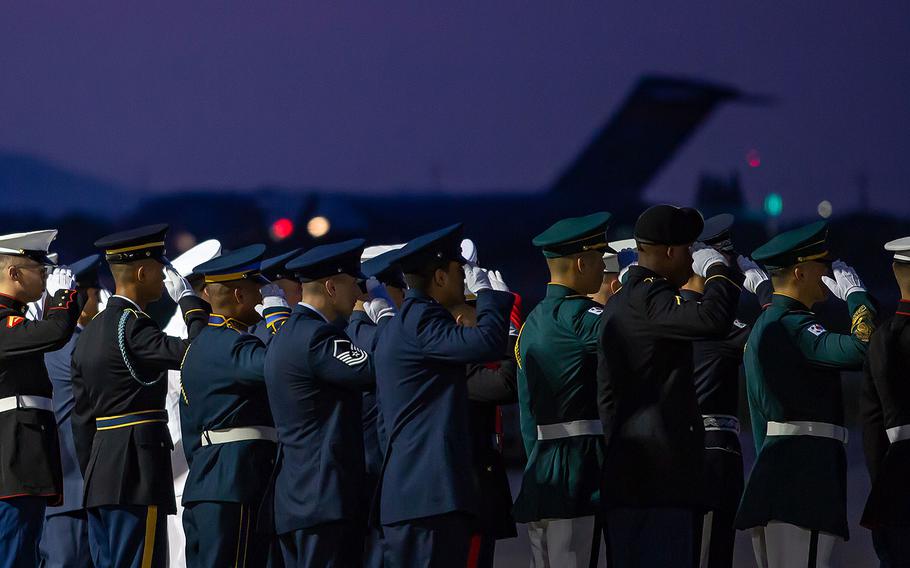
315	376
619	255
274	269
119	368
176	327
557	358
428	493
64	543
885	407
654	468
369	316
30	471
228	431
796	496
717	363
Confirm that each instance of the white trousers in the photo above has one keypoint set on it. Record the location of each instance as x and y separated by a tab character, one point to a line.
782	545
562	543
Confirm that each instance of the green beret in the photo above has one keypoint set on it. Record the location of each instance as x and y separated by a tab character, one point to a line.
795	246
575	235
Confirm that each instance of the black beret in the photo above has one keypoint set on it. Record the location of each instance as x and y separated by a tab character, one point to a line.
669	225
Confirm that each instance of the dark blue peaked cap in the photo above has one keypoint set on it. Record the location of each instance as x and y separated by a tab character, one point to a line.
328	260
240	264
135	244
421	252
275	268
85	270
384	268
718	232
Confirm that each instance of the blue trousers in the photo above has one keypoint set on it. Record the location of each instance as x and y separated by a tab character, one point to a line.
327	545
892	545
373	548
221	534
440	541
128	536
21	520
651	537
64	543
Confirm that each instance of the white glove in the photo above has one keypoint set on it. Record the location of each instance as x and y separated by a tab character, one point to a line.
845	280
469	251
476	279
103	296
496	281
60	279
704	257
273	296
753	273
378	308
177	286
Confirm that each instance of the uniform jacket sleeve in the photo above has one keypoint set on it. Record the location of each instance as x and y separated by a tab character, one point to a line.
83	423
248	360
157	351
335	359
494	382
22	337
275	317
838	350
442	339
709	318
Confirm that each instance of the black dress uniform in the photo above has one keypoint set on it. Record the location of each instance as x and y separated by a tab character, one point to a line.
120	430
315	376
654	465
64	542
716	373
30	473
885	408
228	431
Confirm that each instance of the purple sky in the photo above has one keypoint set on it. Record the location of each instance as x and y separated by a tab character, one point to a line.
378	95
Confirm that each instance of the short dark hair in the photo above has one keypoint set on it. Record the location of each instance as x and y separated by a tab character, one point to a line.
421	279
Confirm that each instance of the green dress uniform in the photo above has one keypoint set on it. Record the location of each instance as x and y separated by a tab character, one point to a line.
556	353
792	366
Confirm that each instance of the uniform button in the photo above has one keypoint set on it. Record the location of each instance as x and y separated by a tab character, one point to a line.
691	428
489	468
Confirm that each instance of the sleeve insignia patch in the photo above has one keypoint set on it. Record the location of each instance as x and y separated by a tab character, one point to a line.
816	329
739	324
596	310
348	353
13	321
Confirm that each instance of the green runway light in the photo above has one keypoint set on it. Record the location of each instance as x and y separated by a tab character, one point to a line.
774	204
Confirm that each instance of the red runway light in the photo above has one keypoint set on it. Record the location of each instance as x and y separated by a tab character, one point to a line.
753	158
282	229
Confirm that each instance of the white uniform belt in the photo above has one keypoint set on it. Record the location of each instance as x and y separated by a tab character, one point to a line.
239	434
26	401
818	429
570	429
898	433
721	422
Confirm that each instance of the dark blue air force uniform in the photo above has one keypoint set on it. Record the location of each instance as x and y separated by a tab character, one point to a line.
428	491
228	433
64	542
315	376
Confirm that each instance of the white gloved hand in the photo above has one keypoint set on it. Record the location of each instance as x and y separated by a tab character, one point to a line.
704	257
273	296
845	280
177	286
497	281
103	296
476	279
469	251
753	274
60	279
378	308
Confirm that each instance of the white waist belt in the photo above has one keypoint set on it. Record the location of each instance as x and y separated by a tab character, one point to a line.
26	401
898	433
818	429
239	434
570	429
721	422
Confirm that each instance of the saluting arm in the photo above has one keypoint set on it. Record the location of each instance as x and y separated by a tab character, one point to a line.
710	317
21	337
839	350
495	383
248	360
441	338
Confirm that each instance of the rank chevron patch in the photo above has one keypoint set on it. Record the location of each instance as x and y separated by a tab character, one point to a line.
348	353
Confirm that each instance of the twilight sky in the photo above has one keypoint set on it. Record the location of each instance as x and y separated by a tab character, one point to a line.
376	96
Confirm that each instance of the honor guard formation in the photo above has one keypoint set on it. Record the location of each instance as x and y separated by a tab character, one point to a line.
341	406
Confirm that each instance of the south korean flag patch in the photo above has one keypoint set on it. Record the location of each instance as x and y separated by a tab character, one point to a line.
348	353
596	310
816	329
